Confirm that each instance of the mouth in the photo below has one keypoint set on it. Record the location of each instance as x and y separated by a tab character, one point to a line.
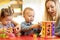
31	20
52	13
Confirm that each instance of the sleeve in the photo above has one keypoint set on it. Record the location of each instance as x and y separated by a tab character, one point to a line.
1	26
12	25
25	27
57	28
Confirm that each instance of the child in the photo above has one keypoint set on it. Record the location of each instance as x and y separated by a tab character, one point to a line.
7	26
27	27
4	13
7	23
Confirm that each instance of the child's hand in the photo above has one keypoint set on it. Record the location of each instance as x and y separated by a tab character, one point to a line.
1	30
36	25
39	24
9	30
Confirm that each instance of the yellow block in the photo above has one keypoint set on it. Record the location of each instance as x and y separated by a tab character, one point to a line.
43	29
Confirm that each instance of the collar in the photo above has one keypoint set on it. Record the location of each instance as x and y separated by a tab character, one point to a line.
28	24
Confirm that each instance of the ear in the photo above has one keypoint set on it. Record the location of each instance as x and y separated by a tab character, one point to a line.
24	16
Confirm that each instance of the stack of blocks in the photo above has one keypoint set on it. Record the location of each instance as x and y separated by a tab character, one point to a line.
48	29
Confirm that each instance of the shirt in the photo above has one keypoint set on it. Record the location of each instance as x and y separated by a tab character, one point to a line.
26	26
7	26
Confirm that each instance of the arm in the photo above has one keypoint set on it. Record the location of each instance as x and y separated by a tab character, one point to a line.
26	28
1	26
57	28
35	26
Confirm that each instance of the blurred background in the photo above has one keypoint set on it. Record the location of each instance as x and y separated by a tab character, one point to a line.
17	7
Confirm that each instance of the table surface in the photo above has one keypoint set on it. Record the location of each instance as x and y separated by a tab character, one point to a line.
28	38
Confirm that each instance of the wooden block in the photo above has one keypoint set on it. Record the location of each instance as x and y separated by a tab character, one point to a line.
43	29
48	28
53	28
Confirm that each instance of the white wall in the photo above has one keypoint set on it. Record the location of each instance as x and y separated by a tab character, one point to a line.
37	5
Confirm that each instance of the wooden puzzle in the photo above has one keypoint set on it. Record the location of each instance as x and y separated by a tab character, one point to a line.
48	29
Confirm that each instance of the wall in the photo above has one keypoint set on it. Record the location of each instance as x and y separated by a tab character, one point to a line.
38	6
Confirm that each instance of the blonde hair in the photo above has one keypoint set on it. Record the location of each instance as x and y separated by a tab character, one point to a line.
58	13
48	17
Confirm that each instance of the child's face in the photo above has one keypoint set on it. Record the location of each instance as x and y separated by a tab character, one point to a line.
29	16
51	8
6	20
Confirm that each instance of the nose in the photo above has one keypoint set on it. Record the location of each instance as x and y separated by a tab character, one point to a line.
9	21
32	18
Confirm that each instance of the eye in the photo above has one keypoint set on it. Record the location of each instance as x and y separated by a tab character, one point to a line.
29	15
7	20
47	8
33	16
52	7
17	28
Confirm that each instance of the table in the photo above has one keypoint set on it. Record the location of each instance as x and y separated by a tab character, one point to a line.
28	38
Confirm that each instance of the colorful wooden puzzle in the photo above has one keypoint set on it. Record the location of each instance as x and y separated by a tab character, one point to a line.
48	29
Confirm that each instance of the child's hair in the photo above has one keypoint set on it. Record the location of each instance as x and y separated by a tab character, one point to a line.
28	8
5	12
